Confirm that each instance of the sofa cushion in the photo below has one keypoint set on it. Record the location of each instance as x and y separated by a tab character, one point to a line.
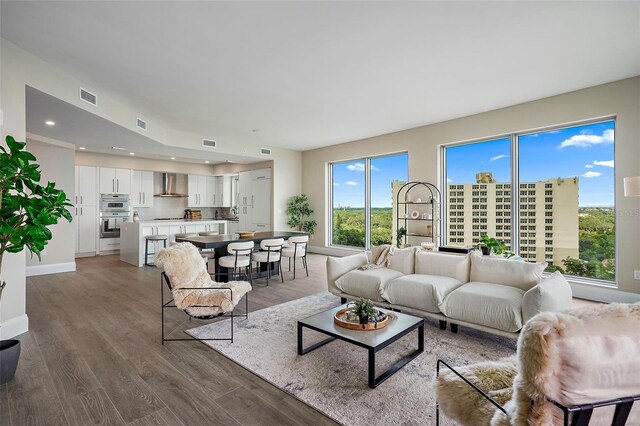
448	265
492	305
401	260
498	270
552	294
367	284
424	292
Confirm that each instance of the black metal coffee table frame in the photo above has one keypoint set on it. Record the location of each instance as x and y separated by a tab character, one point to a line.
373	380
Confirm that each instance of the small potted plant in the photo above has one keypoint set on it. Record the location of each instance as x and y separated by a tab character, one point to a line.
490	245
400	234
365	310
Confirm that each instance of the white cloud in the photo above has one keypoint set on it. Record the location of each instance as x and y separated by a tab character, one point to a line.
605	163
449	180
589	166
359	167
351	183
591	174
336	184
586	140
498	157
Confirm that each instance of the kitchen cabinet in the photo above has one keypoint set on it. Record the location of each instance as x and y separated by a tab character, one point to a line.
86	186
115	181
86	210
86	229
225	191
254	203
141	188
211	199
233	227
197	194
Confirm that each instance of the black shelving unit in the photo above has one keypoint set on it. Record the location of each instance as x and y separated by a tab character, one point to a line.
431	207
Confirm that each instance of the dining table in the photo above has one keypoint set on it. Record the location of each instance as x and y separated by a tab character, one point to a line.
219	244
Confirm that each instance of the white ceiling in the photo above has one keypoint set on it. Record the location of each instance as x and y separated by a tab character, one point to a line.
311	74
96	134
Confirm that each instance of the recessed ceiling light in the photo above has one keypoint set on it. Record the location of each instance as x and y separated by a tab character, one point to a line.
230	161
118	148
207	161
50	123
132	153
82	148
173	158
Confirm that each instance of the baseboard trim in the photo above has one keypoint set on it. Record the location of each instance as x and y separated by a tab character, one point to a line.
603	294
14	327
54	268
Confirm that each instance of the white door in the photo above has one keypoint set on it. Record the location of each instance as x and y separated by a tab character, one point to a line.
86	190
123	181
107	180
87	229
136	188
147	189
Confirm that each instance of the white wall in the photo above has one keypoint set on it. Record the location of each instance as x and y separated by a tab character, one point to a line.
620	99
57	165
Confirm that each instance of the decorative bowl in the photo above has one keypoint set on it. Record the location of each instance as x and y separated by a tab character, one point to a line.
247	234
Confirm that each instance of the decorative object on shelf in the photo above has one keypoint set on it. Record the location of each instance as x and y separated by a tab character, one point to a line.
400	234
136	216
299	211
419	223
490	245
27	209
428	246
361	315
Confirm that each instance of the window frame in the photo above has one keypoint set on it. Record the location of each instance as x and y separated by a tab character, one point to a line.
514	138
367	197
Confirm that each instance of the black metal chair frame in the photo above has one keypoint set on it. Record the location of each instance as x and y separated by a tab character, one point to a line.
165	278
304	258
582	413
248	269
269	251
146	250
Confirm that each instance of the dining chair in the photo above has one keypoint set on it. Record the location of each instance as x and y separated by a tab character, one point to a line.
271	253
297	248
239	256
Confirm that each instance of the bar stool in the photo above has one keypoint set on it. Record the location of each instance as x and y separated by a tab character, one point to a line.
153	239
297	248
270	254
239	257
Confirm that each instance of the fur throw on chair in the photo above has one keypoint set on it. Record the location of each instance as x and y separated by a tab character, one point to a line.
185	268
582	356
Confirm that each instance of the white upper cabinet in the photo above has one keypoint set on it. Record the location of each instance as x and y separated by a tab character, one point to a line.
198	196
86	185
211	198
254	201
141	188
225	190
115	181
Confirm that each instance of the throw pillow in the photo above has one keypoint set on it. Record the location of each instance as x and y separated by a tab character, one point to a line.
401	260
443	264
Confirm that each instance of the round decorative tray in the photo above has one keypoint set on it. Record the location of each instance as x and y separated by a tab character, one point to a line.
340	318
247	234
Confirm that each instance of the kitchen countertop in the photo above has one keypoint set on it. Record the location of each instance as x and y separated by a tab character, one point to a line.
185	220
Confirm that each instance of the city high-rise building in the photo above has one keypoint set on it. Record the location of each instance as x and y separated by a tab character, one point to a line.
548	216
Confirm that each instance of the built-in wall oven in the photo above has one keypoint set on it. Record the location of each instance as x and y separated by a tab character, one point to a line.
114	210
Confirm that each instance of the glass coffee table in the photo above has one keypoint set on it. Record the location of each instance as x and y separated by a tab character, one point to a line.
372	340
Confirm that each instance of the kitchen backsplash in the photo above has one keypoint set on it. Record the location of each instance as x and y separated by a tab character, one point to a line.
174	207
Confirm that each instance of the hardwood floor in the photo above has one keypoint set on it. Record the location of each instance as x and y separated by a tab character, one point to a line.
93	356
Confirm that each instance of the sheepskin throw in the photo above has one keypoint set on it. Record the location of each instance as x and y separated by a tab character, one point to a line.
583	356
185	268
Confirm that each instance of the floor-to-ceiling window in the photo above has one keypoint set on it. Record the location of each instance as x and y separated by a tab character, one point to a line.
549	195
362	194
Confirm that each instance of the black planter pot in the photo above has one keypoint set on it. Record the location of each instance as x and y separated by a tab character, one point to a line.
9	355
485	250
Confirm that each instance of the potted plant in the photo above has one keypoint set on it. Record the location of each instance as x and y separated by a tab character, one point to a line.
400	234
27	209
365	310
298	212
490	245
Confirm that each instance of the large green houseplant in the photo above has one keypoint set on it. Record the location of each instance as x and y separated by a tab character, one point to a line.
299	212
27	209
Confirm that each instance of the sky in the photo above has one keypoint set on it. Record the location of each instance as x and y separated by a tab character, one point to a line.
584	151
349	186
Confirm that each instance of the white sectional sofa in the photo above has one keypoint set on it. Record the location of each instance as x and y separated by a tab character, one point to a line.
488	293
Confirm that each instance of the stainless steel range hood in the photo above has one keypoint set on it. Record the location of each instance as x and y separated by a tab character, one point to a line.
169	186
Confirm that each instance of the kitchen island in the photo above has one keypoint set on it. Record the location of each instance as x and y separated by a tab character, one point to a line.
132	235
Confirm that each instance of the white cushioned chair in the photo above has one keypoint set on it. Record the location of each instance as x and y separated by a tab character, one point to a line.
239	257
271	253
296	247
580	367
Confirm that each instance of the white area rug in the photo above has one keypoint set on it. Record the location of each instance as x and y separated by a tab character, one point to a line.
333	378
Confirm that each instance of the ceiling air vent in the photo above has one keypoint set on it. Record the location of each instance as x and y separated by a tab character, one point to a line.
209	143
141	124
89	97
265	151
